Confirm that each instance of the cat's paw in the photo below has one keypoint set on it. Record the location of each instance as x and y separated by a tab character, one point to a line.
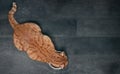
55	68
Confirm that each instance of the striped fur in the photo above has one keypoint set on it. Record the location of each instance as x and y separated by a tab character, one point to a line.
29	38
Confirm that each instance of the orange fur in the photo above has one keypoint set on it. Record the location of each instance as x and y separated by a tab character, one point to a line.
29	38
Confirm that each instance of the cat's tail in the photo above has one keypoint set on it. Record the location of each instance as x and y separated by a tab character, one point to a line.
11	18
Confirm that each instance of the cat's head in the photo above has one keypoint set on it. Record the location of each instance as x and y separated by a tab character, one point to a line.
60	61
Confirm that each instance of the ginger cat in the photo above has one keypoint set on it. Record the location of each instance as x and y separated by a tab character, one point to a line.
29	38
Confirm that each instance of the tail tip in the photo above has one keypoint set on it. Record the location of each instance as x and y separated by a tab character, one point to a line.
14	4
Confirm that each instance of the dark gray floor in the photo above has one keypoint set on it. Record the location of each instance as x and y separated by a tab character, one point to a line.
88	30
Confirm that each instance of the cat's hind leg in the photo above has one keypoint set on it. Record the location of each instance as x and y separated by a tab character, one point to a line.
17	43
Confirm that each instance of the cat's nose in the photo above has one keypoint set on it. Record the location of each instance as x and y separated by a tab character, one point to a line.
62	66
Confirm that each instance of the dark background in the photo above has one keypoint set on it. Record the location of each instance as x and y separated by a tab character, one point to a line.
88	30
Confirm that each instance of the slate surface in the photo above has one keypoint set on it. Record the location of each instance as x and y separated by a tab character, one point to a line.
88	31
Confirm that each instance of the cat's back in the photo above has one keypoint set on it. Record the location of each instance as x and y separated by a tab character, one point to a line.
27	34
27	29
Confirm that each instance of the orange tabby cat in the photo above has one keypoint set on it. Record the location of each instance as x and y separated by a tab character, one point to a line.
29	38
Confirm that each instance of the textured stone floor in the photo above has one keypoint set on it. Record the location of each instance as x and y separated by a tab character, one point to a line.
89	32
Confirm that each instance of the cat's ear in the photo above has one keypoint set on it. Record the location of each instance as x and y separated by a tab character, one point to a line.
62	53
